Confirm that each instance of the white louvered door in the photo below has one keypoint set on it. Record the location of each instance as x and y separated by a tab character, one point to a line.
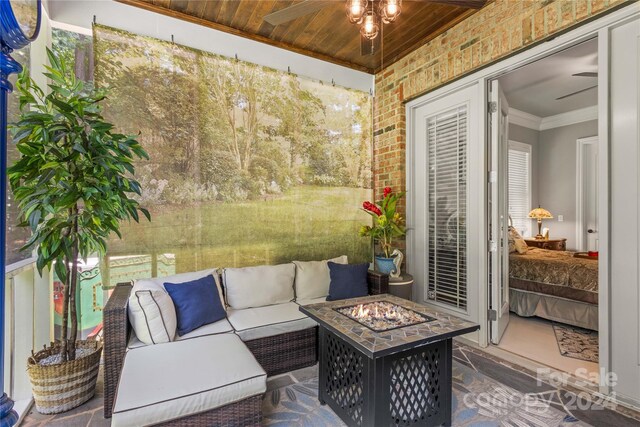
498	205
446	133
447	140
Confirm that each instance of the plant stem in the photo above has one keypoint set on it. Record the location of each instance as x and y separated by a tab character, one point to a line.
74	288
65	313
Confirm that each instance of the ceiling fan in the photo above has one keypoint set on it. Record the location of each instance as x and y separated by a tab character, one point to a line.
368	46
583	74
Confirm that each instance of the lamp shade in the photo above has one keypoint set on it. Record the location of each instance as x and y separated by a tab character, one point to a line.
540	213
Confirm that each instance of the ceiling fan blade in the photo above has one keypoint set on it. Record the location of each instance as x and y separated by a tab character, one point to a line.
585	74
577	92
297	10
471	4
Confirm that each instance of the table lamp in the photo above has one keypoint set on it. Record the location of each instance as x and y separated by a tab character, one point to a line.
540	214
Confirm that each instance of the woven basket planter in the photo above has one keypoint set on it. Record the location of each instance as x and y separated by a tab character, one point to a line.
61	387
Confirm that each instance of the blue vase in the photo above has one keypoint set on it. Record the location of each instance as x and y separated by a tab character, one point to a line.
385	265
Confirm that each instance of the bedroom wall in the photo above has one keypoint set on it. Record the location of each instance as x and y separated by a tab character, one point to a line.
528	136
556	173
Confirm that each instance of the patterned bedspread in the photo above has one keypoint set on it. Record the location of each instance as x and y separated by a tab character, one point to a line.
558	268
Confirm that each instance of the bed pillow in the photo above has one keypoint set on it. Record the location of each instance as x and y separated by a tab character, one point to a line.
312	277
516	242
347	281
197	303
259	286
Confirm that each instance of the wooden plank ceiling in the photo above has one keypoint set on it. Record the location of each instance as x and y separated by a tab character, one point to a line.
325	34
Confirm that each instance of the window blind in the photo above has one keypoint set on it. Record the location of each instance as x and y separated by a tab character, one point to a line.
447	202
520	186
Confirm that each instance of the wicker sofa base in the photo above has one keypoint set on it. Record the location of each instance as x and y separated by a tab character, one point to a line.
245	413
286	352
277	354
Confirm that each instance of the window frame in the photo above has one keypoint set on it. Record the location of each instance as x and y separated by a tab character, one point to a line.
528	149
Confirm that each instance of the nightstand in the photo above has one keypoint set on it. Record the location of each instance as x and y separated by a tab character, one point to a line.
551	244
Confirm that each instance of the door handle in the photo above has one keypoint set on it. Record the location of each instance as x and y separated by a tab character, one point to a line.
591	231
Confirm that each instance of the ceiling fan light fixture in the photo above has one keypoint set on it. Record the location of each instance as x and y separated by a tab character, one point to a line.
370	26
356	10
390	10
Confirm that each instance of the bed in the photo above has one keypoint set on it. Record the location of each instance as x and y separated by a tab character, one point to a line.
554	285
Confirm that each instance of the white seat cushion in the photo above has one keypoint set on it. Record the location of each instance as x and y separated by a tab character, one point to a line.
253	323
313	279
184	378
220	327
259	286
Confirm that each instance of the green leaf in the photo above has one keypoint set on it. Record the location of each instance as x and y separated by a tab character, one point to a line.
34	219
50	165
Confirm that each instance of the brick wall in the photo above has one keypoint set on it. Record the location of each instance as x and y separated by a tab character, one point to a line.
500	28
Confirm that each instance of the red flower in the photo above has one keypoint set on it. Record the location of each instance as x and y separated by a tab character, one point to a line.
387	191
368	206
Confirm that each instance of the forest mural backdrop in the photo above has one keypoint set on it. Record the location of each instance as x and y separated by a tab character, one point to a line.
248	165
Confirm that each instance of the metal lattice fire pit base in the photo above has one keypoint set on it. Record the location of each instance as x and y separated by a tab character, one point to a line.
394	377
411	387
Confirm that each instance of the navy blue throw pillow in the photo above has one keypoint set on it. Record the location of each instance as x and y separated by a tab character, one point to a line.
197	303
347	281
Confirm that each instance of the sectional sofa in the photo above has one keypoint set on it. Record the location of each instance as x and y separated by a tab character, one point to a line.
216	374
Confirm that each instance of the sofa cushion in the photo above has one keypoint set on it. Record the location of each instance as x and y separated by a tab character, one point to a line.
152	315
197	303
347	281
158	282
312	277
220	327
253	323
184	378
259	286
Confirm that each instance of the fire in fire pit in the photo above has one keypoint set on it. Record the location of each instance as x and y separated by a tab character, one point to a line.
382	315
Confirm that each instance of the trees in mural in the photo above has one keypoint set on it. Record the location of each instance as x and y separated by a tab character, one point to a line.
223	129
248	165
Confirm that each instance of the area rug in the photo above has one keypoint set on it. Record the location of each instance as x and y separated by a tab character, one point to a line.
576	342
477	401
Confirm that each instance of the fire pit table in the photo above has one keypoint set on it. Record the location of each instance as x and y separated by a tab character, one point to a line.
385	360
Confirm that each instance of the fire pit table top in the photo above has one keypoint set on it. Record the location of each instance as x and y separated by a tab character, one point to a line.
437	325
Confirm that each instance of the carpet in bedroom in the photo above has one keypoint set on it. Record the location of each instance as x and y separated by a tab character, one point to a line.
577	343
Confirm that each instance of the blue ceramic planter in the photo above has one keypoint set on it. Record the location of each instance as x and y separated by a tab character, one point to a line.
385	265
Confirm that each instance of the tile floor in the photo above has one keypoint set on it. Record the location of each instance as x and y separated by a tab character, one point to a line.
533	338
467	358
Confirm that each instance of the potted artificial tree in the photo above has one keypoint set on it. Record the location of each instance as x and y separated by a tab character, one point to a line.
73	184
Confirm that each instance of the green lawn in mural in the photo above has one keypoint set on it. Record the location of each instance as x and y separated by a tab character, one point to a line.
307	222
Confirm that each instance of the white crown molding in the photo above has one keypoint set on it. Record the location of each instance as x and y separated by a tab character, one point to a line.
534	122
570	118
523	119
